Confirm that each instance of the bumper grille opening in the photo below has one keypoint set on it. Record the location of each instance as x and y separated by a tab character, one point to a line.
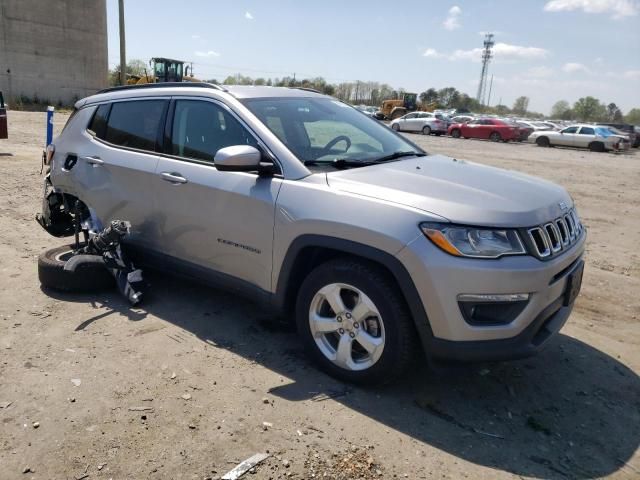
563	230
540	241
491	313
554	237
551	239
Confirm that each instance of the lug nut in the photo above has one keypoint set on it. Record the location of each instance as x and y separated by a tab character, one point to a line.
356	325
352	335
339	318
348	315
341	331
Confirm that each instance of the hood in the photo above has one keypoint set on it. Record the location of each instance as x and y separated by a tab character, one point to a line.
461	191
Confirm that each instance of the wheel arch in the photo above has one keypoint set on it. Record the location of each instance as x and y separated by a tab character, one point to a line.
308	251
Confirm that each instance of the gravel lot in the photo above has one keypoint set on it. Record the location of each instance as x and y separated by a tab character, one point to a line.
181	387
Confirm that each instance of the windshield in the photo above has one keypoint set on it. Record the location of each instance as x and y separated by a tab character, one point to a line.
323	129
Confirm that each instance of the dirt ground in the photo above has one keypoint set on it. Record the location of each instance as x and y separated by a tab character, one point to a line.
182	387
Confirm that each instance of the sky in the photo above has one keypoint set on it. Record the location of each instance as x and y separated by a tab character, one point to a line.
547	50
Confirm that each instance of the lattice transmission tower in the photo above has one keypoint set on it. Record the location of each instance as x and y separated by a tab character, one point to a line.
487	55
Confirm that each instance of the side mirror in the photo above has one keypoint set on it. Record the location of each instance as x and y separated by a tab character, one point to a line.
237	158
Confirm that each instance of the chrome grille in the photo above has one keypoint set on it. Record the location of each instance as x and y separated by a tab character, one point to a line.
555	236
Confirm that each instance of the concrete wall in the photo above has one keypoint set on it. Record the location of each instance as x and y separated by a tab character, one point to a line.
55	50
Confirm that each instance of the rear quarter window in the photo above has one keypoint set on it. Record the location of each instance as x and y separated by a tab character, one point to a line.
98	125
135	124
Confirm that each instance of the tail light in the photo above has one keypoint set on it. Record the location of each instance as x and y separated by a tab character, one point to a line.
51	149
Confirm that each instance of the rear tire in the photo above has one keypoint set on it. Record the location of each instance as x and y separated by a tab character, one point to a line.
87	277
542	141
426	130
396	127
455	133
596	147
366	295
495	137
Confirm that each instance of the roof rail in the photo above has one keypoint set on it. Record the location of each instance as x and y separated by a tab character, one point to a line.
145	86
307	89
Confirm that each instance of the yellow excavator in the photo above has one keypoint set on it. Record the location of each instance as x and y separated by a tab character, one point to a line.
392	109
164	70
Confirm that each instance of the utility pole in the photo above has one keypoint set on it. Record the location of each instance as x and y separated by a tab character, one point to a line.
490	88
123	49
487	54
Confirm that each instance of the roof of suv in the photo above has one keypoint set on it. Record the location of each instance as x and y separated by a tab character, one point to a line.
179	88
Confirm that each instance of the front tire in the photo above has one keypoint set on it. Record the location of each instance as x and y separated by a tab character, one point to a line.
354	323
426	130
455	133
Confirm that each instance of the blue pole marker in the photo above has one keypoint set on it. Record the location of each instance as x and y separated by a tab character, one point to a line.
50	125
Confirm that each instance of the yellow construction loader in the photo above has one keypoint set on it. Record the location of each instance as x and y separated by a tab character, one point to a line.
164	70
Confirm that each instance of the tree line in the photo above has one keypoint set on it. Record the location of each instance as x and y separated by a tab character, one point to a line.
587	109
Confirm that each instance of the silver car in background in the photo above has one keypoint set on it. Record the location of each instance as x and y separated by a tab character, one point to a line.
423	122
374	249
593	137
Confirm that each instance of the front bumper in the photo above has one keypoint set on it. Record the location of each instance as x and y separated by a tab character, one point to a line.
439	278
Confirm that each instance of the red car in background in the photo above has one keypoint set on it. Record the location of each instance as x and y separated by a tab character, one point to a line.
488	128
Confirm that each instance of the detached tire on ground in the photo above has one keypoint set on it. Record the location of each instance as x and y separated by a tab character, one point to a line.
354	322
88	277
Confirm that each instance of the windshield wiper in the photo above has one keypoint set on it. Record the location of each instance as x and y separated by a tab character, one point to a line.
341	163
394	155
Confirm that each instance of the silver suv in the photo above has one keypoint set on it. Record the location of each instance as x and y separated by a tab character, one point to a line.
376	249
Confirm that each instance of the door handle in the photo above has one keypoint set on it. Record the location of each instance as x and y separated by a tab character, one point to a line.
173	177
95	161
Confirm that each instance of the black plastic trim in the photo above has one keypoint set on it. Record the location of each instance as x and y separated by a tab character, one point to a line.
391	263
147	86
147	257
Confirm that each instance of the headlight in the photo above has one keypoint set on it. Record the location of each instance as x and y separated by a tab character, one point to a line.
473	241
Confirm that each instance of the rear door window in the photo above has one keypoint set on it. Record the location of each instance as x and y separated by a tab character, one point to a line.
202	128
586	131
136	124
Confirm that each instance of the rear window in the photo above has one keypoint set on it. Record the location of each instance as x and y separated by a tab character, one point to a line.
135	124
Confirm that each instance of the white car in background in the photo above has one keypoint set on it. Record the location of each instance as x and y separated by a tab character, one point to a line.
596	139
425	122
534	125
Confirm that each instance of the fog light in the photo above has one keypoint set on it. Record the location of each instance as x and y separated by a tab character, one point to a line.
488	309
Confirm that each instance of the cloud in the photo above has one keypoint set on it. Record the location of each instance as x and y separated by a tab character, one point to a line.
573	67
248	15
432	53
195	37
632	74
451	22
617	8
502	51
539	72
210	53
